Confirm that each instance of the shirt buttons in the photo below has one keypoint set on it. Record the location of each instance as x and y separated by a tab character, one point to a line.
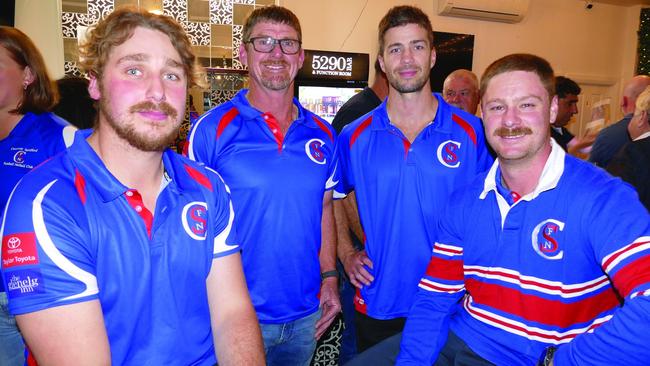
274	130
129	193
138	208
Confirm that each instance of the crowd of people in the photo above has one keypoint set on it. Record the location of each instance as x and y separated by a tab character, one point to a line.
466	240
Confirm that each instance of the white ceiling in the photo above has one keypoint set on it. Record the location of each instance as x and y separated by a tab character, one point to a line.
622	2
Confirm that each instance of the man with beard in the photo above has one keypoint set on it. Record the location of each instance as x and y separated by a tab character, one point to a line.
530	266
279	161
126	254
399	163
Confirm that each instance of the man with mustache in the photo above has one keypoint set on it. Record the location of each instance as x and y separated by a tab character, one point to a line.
399	163
530	266
279	161
120	251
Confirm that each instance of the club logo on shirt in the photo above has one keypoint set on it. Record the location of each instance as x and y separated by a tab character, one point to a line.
19	250
19	157
314	150
448	154
195	220
544	239
24	282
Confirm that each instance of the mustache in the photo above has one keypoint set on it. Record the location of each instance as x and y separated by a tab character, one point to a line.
162	107
509	132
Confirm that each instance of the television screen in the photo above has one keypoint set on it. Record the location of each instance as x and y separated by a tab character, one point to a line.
325	101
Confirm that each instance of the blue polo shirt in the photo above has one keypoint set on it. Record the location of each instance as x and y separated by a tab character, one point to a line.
277	185
74	233
400	189
551	267
36	138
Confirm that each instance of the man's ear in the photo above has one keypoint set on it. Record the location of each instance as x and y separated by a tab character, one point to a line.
93	87
553	110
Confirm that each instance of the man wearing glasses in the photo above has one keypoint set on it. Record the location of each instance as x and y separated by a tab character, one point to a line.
278	160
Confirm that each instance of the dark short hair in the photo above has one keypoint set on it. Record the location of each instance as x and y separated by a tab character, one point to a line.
521	62
75	105
119	26
564	86
271	14
41	94
403	15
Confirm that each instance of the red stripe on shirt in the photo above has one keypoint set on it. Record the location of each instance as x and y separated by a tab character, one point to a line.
360	129
445	269
632	275
447	250
324	128
465	126
540	284
540	310
199	177
226	119
621	252
80	184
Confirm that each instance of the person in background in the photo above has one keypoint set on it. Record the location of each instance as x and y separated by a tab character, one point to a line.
363	102
460	89
128	252
567	92
541	260
280	164
632	162
75	104
29	135
611	138
398	163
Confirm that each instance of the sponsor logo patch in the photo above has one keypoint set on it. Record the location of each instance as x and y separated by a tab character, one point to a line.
447	153
19	250
195	220
314	150
24	282
545	241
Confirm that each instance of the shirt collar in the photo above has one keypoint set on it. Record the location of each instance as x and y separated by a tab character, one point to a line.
644	135
251	113
93	169
551	174
441	123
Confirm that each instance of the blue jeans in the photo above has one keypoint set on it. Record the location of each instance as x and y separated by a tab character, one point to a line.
292	343
12	348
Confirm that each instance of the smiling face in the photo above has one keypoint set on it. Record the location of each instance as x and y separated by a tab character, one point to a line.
274	70
407	58
517	111
142	91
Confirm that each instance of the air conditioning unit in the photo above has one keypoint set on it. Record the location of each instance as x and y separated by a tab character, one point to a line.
507	11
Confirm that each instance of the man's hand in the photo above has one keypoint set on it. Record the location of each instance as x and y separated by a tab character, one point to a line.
330	304
355	266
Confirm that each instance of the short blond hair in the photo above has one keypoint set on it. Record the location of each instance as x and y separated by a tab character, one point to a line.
119	26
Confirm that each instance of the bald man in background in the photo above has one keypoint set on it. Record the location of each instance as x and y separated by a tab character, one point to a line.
460	89
610	140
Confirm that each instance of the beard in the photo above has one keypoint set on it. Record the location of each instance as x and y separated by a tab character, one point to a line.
274	81
407	86
158	138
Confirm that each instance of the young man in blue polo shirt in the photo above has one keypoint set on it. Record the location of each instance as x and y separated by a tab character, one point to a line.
399	163
541	260
129	253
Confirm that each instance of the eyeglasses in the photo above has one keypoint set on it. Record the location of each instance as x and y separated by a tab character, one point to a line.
267	44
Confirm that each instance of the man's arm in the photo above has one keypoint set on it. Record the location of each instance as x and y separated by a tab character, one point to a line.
354	262
67	335
235	329
330	301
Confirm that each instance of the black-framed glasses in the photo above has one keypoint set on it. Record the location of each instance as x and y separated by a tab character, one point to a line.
267	44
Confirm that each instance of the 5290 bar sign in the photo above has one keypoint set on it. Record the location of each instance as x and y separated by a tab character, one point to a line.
334	65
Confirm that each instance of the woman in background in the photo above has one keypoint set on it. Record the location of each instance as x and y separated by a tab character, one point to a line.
29	135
